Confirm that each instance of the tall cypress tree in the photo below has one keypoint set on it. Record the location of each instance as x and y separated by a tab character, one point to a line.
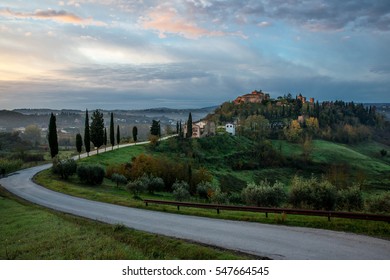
105	139
154	129
79	143
52	136
87	136
118	135
97	129
189	126
112	132
135	134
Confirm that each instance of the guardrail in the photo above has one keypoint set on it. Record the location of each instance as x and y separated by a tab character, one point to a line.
266	210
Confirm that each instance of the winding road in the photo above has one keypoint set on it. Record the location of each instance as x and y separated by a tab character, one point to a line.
272	241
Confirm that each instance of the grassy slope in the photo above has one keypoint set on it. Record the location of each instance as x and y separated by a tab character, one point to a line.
31	232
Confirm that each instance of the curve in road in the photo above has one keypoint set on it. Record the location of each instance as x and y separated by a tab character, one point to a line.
273	241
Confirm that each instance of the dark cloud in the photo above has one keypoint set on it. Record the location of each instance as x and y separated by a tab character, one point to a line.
381	69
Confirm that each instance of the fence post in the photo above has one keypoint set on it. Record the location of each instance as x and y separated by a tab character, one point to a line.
217	210
328	217
178	208
266	214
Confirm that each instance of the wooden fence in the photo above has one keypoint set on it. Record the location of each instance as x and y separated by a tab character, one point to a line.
266	210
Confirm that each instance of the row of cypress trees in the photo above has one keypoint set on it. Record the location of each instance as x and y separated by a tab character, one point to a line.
94	132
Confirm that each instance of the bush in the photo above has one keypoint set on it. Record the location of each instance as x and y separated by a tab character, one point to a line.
203	189
65	168
264	194
219	197
92	174
181	190
350	199
136	187
9	165
155	184
380	204
313	194
118	179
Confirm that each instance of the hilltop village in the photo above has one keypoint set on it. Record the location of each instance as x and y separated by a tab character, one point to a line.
217	122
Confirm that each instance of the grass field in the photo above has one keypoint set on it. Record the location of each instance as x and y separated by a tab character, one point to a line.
30	232
108	193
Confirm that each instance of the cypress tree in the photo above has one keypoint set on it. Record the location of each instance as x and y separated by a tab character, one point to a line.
112	133
97	129
79	143
155	128
105	139
189	126
177	127
52	136
118	135
135	134
87	136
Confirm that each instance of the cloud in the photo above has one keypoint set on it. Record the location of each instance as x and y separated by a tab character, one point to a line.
381	69
264	24
58	16
169	21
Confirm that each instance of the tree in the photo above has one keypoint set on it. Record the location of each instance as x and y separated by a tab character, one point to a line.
97	129
32	133
294	132
135	134
118	135
155	128
87	136
105	139
189	126
52	136
79	143
177	127
112	133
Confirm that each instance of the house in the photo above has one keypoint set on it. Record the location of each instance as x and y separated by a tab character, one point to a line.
201	128
254	97
230	128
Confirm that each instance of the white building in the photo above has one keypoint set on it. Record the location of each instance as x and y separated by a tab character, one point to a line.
230	128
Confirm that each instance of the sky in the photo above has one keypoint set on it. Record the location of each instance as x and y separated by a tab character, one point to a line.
134	54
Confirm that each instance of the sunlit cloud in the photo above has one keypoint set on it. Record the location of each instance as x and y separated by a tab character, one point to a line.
58	16
168	21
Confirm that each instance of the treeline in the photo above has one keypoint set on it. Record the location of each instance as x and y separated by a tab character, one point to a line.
345	122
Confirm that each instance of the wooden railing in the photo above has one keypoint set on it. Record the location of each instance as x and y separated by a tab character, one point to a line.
266	210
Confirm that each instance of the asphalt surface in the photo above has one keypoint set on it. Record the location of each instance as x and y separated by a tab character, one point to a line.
272	241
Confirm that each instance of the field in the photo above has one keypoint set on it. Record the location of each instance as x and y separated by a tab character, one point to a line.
107	192
30	232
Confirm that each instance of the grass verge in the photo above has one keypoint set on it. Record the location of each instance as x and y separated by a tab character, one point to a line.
107	193
29	231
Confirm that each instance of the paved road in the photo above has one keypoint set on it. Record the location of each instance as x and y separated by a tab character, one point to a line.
276	242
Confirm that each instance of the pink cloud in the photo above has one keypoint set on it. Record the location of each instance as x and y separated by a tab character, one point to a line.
59	16
168	21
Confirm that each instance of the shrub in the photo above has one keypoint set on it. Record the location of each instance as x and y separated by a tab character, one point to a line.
312	193
181	190
383	152
136	187
264	194
65	168
118	169
203	189
9	165
380	204
219	197
118	179
155	184
92	174
350	199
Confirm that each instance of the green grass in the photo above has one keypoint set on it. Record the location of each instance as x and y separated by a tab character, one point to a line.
30	232
108	193
122	155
